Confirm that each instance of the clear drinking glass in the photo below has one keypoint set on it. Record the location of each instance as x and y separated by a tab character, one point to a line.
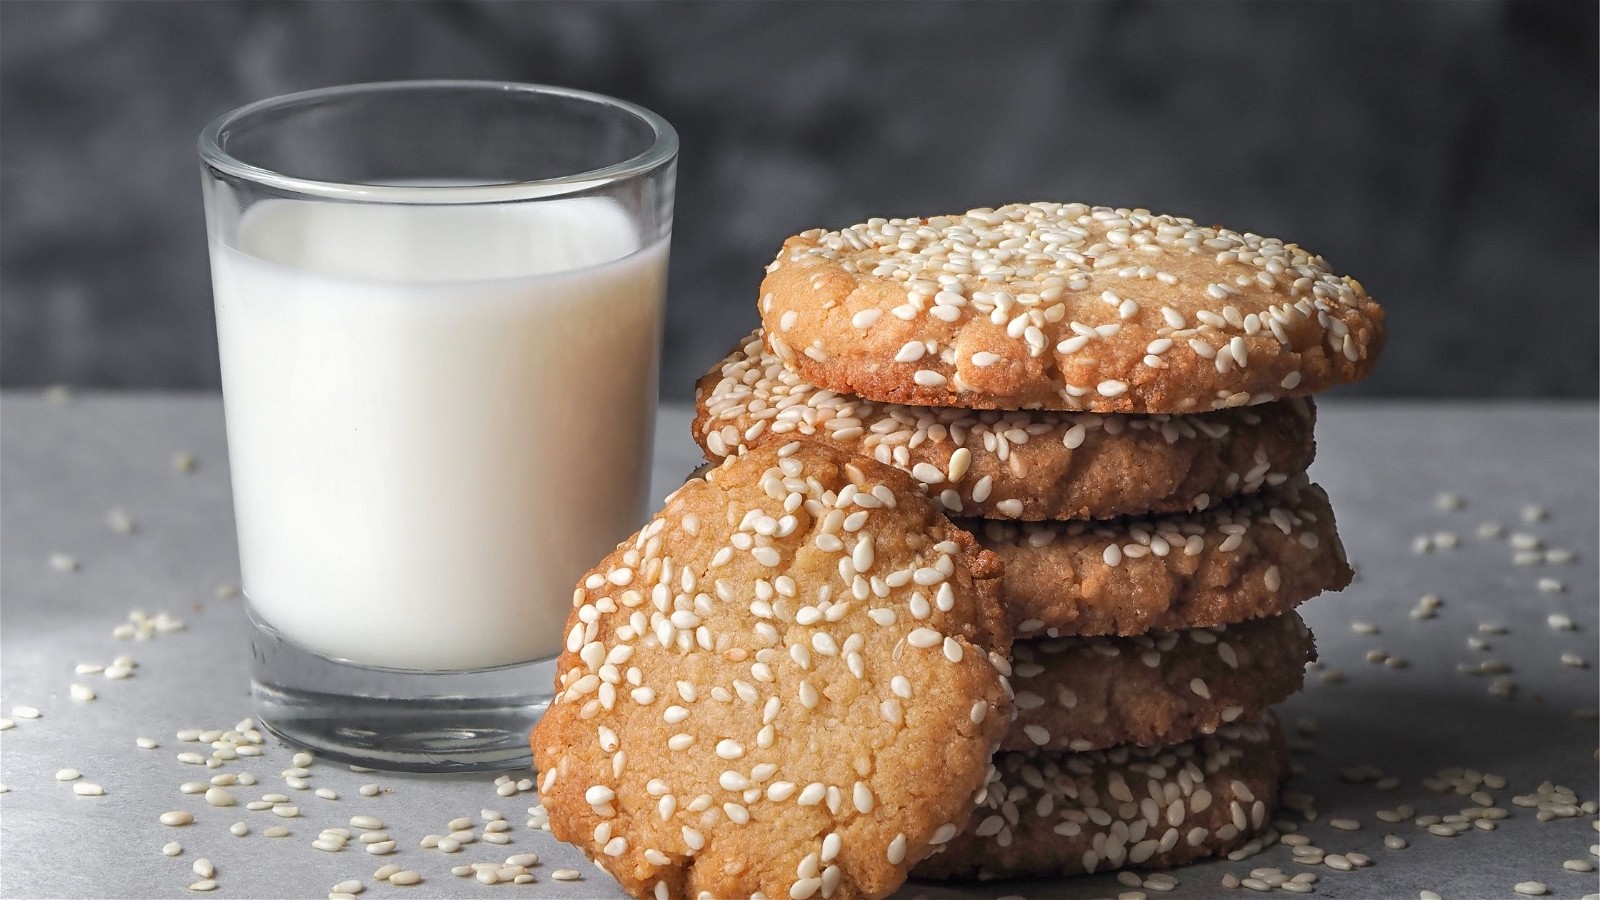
438	308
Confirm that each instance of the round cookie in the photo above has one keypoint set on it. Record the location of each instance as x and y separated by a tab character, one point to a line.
1090	693
1260	555
1064	306
1028	465
1127	807
756	686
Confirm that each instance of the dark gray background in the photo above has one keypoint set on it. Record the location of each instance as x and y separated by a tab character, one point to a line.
1444	153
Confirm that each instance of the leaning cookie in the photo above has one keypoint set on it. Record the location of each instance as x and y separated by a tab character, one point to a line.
1064	306
1015	464
1075	694
1255	556
1128	807
757	685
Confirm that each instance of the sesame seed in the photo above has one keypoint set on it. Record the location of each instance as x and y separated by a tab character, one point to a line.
176	818
1530	888
87	789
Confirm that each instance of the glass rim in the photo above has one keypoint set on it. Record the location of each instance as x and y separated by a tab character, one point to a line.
661	151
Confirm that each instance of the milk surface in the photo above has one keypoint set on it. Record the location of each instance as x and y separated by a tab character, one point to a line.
438	418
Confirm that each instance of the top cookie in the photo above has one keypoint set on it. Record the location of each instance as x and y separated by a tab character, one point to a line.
1064	306
788	684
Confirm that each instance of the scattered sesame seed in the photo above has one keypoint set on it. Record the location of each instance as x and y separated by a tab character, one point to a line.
1522	540
1530	888
87	789
25	712
172	849
176	818
566	875
239	829
1561	622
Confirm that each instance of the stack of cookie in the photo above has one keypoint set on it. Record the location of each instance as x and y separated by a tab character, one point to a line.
1115	404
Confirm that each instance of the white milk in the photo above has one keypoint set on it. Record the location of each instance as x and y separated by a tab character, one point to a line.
438	419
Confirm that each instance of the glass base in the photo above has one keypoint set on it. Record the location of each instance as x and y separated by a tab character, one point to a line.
393	719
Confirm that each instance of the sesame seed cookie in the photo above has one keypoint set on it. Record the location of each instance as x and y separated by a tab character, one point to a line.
1076	693
1027	465
1260	555
1127	807
757	685
1064	306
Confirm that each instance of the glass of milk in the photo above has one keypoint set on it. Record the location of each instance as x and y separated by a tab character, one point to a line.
439	310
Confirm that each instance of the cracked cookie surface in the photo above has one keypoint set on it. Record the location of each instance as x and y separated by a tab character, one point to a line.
1255	556
1015	464
757	684
1064	306
1078	693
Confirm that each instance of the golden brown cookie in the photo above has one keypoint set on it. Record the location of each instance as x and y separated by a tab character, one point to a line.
1255	556
790	682
1127	807
1063	306
1015	464
1090	693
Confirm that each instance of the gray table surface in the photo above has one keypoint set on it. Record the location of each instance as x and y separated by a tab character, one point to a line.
66	464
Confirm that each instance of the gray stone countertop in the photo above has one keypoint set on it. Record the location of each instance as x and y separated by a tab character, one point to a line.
64	465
